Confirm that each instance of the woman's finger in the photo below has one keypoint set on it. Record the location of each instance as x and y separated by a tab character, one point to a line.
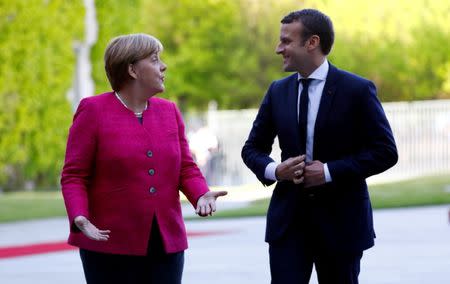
207	210
203	210
220	193
213	206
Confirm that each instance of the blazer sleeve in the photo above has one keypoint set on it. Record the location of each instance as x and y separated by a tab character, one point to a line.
258	146
79	161
193	184
378	152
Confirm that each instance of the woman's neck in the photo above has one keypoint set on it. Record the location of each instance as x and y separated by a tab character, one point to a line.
132	100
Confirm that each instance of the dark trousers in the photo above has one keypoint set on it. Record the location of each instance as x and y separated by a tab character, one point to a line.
157	267
293	256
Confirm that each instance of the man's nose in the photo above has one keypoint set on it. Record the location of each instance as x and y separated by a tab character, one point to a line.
278	49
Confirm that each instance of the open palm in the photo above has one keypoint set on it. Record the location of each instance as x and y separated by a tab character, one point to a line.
206	204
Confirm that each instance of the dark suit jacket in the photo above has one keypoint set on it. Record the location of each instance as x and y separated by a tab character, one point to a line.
351	135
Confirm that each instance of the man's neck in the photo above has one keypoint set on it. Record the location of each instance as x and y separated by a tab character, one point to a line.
314	64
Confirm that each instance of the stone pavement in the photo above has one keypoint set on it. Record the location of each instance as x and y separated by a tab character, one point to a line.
413	246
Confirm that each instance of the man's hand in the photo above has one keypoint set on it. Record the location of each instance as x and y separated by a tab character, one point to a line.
89	230
291	169
206	204
314	174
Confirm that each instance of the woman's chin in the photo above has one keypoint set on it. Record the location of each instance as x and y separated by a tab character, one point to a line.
158	90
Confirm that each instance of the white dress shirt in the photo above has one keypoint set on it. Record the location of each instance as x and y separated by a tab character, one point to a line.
315	94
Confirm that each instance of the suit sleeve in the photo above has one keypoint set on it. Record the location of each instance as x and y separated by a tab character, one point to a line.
79	161
192	182
258	146
378	152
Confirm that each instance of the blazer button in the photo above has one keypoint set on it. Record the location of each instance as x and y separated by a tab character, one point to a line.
149	153
152	189
151	172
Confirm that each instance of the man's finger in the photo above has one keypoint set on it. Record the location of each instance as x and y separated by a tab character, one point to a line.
298	180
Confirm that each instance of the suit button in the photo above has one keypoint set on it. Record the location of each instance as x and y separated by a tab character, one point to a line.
152	189
151	172
149	153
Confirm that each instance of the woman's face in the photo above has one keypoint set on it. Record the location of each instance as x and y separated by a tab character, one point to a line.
150	73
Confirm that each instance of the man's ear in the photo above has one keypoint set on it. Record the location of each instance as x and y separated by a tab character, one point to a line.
132	71
313	42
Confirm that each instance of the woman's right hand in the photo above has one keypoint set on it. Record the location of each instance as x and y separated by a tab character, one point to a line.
89	230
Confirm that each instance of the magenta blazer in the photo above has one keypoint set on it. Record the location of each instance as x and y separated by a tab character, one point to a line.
121	174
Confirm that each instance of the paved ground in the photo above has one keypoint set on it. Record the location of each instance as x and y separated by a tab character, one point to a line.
413	246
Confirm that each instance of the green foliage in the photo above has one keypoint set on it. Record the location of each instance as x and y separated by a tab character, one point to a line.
401	45
215	50
224	50
114	17
36	69
209	46
202	47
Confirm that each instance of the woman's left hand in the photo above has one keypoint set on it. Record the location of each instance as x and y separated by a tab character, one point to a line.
206	204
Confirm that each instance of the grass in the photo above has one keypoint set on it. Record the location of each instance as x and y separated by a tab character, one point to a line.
417	192
433	190
30	205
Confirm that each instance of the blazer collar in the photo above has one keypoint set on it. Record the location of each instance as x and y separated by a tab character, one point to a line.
326	101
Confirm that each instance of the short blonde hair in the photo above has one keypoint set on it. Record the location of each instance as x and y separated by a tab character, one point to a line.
125	50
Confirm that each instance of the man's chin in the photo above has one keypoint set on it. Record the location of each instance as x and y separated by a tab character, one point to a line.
287	68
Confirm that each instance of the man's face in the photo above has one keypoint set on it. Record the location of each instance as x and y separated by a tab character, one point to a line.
292	47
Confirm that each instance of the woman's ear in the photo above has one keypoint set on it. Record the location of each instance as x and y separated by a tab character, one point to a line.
132	71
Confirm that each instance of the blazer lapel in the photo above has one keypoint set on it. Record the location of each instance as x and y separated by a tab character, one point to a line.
325	102
291	108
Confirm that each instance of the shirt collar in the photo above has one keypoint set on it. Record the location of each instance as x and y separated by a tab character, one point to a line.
320	73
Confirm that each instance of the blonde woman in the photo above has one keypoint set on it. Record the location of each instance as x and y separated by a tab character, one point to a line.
127	158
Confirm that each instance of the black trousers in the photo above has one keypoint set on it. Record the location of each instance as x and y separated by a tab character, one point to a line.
293	256
157	267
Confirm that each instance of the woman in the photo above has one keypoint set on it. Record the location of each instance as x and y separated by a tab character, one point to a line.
126	160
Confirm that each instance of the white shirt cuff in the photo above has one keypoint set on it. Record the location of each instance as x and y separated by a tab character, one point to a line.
327	173
269	173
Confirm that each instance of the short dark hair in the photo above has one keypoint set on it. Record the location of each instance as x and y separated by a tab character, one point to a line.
314	23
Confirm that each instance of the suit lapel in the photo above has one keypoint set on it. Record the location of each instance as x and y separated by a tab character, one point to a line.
291	108
325	102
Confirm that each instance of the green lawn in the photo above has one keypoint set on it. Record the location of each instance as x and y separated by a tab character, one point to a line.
30	205
417	192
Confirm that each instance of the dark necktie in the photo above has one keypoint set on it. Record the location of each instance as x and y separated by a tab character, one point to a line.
303	114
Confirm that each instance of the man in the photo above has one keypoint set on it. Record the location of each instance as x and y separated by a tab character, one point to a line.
333	134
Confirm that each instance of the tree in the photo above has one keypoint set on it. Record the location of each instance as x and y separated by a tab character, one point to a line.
36	69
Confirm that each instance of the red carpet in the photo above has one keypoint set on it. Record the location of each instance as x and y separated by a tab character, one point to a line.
23	250
6	252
